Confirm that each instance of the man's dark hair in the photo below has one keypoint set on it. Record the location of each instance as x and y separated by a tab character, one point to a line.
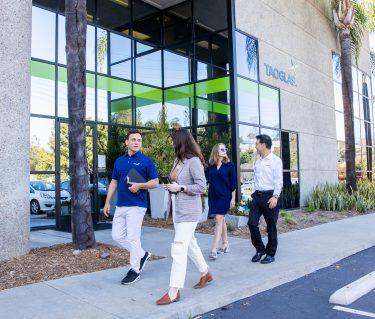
264	139
133	131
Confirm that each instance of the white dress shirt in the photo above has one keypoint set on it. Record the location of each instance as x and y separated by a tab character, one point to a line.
268	174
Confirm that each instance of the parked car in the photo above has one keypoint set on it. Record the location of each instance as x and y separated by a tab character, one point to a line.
42	197
102	191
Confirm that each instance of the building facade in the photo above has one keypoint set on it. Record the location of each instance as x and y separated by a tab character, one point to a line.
227	70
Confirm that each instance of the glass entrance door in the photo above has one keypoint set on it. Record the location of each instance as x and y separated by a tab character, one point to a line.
63	206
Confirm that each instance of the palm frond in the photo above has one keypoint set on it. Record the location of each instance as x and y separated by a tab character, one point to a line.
357	31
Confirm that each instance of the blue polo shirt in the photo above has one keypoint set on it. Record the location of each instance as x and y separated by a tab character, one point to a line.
145	167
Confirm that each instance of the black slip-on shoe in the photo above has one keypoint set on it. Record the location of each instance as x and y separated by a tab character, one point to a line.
130	278
267	260
258	256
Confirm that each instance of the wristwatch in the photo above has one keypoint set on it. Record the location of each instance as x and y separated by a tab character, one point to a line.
276	196
182	189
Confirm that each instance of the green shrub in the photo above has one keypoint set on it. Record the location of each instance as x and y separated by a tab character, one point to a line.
336	198
287	217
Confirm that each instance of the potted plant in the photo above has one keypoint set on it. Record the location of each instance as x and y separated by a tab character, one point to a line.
157	145
238	215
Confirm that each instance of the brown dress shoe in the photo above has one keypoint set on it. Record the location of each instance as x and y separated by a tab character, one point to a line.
165	300
204	280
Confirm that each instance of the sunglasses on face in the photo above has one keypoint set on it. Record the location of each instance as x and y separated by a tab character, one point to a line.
222	149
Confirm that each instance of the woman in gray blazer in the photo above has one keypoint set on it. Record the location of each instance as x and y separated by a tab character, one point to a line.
188	184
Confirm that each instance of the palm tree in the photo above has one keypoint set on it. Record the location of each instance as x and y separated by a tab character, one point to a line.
350	31
76	28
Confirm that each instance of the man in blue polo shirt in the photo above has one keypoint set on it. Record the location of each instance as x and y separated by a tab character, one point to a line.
131	202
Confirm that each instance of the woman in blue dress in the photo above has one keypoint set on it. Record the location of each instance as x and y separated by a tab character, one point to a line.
221	195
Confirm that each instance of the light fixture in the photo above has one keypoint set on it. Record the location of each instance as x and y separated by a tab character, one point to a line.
204	44
89	17
140	35
124	3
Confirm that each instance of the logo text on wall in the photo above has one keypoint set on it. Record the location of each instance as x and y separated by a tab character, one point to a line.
281	75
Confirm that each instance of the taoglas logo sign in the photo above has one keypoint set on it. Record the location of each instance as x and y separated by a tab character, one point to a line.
281	75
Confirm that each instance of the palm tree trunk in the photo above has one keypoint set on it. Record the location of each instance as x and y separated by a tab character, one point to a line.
347	96
76	27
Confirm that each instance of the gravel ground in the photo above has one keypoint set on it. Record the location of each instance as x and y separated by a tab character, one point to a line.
58	261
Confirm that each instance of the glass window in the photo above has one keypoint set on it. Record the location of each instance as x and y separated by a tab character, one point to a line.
179	112
210	15
289	197
247	101
220	51
43	34
42	144
176	69
203	49
90	48
61	40
122	70
356	107
148	112
275	136
336	67
62	102
102	49
338	96
121	109
247	185
42	95
203	71
357	131
340	128
247	56
148	29
247	149
355	78
367	133
51	4
114	15
142	9
289	151
341	160
148	69
208	136
269	106
120	48
180	32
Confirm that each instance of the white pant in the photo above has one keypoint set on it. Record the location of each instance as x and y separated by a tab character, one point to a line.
126	231
185	244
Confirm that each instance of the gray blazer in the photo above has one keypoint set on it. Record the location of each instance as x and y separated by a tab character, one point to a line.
188	206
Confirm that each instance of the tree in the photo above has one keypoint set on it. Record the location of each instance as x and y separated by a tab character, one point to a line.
76	29
350	31
157	145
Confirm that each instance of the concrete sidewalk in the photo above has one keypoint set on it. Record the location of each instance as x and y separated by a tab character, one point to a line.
100	294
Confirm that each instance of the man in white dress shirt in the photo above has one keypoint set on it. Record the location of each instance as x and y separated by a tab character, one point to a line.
268	182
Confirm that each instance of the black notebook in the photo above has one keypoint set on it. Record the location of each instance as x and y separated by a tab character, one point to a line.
134	177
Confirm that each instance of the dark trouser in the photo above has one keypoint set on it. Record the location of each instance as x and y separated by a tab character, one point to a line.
259	206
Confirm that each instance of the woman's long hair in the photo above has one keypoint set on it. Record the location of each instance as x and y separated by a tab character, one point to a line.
214	157
185	146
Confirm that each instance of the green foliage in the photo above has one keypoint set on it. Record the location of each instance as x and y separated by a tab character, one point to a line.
158	146
336	198
287	217
290	196
239	210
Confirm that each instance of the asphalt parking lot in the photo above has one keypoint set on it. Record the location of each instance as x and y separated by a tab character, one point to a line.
307	297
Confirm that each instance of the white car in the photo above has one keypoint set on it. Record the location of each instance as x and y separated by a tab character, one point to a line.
42	197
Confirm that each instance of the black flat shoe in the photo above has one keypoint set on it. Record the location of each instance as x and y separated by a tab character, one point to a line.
268	259
257	256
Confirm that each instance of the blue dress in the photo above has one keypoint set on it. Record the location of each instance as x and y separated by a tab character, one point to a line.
222	182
